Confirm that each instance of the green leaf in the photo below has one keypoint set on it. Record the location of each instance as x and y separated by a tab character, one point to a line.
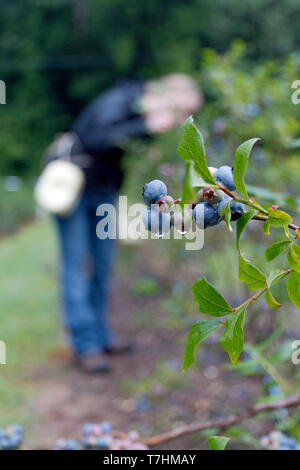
228	217
296	249
240	165
226	212
199	332
293	288
251	274
191	147
196	180
266	228
188	194
294	260
217	442
270	300
274	276
209	299
232	339
276	249
242	224
278	218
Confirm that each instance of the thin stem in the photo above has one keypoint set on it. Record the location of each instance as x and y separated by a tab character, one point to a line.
243	201
223	422
264	218
269	368
251	299
259	293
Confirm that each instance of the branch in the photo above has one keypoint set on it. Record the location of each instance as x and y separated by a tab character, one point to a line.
264	218
258	294
223	422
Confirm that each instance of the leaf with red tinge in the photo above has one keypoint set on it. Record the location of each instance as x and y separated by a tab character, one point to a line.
278	218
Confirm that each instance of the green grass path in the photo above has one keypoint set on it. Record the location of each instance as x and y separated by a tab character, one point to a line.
28	311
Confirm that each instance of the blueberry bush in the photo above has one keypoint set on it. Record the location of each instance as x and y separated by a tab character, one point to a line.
210	196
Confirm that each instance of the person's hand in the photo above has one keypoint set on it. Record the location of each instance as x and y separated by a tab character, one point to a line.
160	121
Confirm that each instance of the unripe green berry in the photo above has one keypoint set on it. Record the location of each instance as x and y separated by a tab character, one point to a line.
165	203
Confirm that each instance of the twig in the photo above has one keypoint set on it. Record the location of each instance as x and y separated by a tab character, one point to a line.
258	294
223	422
264	218
254	298
255	206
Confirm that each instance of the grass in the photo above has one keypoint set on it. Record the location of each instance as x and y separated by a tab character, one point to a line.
16	207
28	309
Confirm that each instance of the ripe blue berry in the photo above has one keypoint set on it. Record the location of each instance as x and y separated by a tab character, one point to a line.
101	443
106	427
223	203
153	191
72	444
224	176
17	429
156	221
10	442
237	210
206	214
87	429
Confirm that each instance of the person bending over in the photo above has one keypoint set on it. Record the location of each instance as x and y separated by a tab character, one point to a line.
131	109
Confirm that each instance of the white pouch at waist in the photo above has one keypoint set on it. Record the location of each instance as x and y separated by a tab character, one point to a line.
59	187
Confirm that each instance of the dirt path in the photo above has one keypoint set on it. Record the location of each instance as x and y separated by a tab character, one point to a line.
146	391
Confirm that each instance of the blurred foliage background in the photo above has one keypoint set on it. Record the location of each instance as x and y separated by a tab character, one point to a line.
57	55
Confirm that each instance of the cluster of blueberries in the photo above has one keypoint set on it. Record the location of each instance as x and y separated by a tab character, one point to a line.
100	437
277	440
162	212
11	437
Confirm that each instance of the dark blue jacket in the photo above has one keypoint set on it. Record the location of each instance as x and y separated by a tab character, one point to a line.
102	128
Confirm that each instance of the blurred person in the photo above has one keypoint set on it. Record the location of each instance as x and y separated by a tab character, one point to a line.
131	109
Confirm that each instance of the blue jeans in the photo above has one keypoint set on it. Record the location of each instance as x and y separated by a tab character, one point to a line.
85	273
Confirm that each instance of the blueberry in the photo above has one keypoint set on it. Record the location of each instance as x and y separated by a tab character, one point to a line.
209	212
223	203
85	442
87	429
89	442
10	442
224	176
16	428
237	210
72	444
156	221
106	427
153	191
182	220
101	443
